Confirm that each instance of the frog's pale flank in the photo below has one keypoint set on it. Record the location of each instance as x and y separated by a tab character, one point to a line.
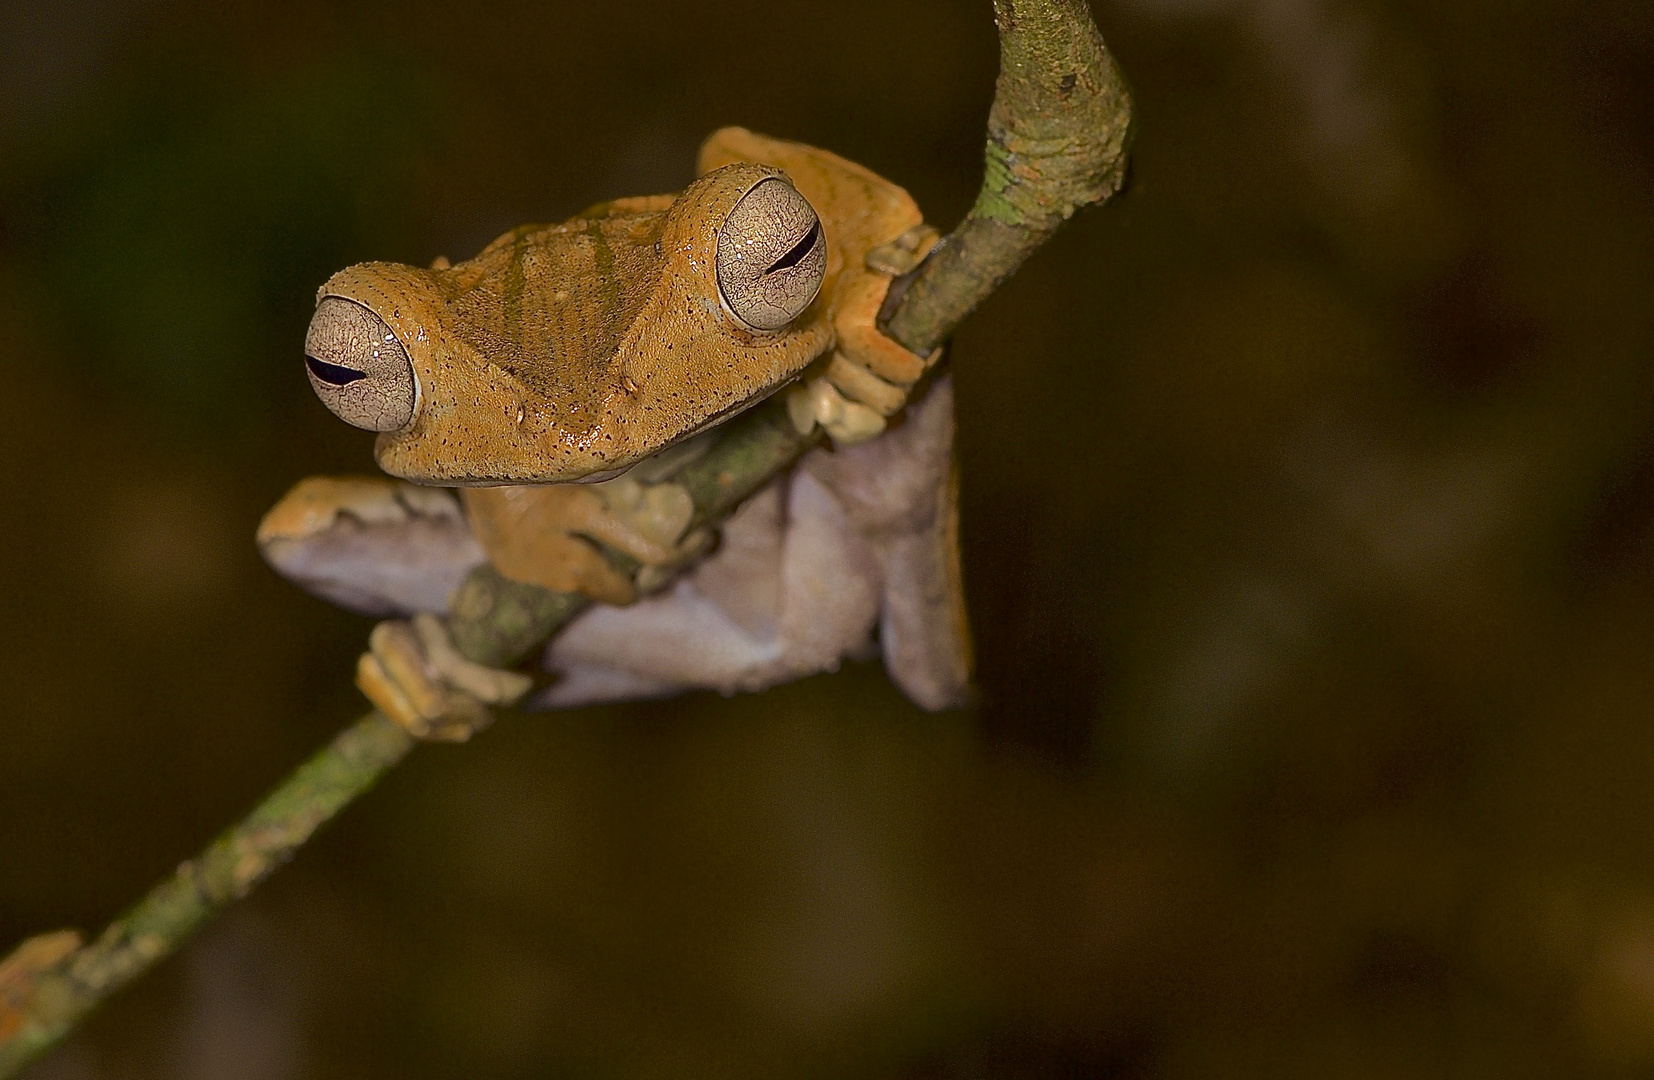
559	377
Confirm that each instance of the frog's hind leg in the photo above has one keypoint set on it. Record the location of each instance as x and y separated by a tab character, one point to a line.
793	588
413	673
808	567
369	544
901	490
383	547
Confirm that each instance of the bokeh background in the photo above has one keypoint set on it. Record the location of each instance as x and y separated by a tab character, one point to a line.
1309	525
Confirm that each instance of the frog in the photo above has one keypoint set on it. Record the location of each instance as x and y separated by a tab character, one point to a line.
530	405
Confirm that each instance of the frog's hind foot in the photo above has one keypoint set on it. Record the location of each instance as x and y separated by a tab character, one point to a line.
415	676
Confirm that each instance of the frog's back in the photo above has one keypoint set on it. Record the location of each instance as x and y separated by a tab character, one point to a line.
538	289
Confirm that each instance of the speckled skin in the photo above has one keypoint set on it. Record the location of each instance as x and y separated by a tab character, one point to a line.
568	350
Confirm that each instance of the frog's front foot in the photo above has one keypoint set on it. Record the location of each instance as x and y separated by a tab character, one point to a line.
868	376
550	534
415	676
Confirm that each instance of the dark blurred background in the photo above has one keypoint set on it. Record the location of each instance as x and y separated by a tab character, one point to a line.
1309	524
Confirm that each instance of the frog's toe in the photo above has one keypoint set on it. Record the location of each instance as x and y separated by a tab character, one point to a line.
856	322
859	384
414	675
817	401
903	254
493	686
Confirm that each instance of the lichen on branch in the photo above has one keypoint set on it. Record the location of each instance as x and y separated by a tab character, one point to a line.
1058	133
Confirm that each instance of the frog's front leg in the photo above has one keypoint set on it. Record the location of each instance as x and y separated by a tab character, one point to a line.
849	541
868	376
543	534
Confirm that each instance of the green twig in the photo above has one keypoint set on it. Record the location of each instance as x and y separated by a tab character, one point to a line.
1057	138
51	982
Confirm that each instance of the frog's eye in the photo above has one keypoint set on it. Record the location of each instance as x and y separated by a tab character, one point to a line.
357	367
771	256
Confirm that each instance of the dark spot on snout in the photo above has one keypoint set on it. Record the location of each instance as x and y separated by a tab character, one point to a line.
333	374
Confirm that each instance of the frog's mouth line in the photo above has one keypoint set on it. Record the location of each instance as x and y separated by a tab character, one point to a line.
333	374
732	411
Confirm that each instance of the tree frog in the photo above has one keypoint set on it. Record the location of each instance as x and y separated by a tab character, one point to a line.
556	379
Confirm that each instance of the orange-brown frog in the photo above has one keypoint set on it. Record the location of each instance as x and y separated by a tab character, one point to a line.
558	378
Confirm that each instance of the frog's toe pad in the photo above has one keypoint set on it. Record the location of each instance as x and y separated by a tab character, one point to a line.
817	401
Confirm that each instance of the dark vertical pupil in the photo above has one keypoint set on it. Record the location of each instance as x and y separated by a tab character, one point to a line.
800	249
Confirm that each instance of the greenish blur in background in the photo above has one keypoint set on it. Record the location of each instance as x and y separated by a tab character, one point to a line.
1309	538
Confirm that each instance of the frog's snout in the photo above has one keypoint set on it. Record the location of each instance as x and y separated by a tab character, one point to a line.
358	367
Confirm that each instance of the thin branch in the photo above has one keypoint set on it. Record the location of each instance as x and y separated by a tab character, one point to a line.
1058	133
1057	139
49	983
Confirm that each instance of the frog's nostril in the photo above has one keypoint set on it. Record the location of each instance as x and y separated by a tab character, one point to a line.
333	374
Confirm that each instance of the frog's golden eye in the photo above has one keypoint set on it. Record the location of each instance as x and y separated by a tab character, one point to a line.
358	368
771	256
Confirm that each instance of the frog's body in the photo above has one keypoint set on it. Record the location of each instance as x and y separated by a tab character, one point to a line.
573	352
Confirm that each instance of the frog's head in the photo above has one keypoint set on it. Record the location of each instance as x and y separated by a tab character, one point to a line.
565	351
